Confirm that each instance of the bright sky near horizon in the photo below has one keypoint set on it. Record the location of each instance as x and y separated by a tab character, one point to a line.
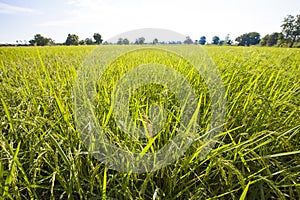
21	20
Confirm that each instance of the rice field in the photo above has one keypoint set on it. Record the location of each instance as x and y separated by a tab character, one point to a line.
256	155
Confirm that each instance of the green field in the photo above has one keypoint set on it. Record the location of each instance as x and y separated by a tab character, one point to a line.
256	156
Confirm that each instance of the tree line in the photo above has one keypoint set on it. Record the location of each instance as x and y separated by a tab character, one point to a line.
72	39
289	37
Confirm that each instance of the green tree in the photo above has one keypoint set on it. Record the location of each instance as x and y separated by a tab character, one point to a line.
264	40
188	40
72	39
40	40
202	40
98	38
125	41
215	40
88	41
51	42
291	29
271	40
81	42
120	41
228	41
155	41
247	39
254	38
140	40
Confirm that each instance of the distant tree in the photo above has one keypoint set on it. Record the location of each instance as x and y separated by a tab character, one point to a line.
254	38
291	29
264	40
21	42
98	38
271	40
215	40
125	41
120	41
227	40
88	41
81	42
140	40
72	39
155	41
51	42
248	39
32	42
202	40
280	39
172	42
188	40
40	40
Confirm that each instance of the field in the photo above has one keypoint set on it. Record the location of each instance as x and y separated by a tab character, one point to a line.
255	156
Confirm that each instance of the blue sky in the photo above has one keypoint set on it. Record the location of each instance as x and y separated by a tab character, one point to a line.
22	19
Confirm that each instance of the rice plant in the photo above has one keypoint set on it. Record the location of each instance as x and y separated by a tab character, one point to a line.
256	155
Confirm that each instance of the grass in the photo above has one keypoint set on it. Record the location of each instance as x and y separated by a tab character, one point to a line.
256	156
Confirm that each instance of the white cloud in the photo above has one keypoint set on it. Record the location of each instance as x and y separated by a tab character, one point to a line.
9	9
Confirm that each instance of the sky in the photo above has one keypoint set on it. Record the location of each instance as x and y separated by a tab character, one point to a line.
22	19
